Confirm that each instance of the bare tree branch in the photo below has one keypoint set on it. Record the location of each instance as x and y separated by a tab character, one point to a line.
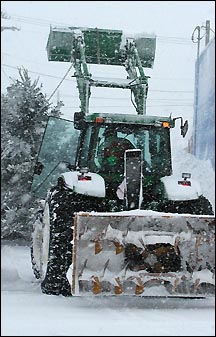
9	28
4	15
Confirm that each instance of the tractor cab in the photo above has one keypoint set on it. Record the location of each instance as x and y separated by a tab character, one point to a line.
98	145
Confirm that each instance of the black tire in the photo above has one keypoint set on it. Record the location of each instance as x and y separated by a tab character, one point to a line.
200	206
55	281
35	244
203	206
35	268
62	205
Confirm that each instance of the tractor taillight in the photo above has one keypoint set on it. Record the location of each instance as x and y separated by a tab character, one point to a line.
184	182
99	120
84	178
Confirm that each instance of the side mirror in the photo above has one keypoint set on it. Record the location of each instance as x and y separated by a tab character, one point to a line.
71	167
184	128
79	120
38	168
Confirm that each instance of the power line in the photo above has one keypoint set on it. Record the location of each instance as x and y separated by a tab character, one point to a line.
110	73
6	75
42	22
35	72
61	81
127	106
125	98
174	37
72	80
22	58
172	79
36	21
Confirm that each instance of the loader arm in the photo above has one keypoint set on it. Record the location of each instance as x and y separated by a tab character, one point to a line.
81	73
139	83
100	46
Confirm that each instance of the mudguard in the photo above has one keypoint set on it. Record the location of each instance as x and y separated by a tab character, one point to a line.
87	183
179	189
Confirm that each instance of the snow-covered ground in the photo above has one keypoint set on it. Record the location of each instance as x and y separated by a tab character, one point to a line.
28	312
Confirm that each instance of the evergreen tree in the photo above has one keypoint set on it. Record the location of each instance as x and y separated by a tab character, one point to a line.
24	113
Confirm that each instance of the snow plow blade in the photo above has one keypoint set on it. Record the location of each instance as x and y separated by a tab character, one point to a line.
143	254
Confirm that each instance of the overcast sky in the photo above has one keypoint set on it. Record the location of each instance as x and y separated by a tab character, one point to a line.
171	86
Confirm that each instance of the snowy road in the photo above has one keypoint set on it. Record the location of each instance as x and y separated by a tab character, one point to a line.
28	312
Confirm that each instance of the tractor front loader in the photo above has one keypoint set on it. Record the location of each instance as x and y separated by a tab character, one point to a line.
114	219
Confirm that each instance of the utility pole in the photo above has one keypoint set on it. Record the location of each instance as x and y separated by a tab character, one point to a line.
192	141
207	35
198	39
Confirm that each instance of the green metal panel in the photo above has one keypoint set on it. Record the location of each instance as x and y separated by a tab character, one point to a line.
130	119
59	46
102	46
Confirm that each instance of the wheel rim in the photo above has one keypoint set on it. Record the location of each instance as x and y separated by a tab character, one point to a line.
36	246
45	241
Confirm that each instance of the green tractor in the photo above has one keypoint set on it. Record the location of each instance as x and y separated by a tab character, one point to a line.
114	219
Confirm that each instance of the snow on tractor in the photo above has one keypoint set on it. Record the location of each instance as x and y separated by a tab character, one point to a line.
114	219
